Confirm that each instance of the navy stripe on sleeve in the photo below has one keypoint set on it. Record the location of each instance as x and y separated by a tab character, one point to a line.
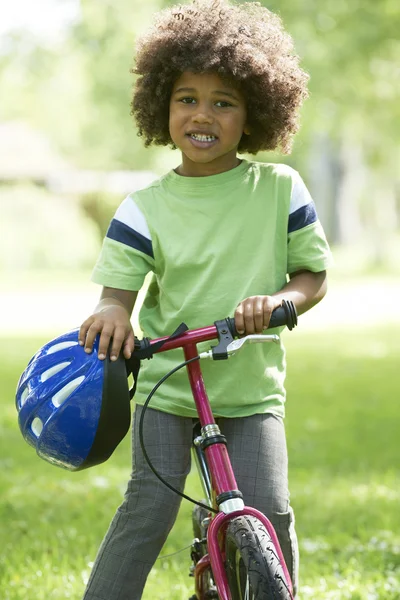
303	216
120	232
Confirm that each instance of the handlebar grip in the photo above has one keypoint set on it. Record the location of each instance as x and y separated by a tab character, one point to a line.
283	315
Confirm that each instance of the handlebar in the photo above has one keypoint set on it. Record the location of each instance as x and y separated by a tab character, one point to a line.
224	330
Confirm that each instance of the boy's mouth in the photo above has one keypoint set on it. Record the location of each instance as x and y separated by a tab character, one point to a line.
203	137
202	140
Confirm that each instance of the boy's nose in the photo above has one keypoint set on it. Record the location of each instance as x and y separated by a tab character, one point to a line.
203	117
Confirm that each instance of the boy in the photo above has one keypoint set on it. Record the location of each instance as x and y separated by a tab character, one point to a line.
222	236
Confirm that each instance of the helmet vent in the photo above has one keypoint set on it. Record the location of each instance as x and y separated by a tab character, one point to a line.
37	426
53	370
61	346
61	396
24	396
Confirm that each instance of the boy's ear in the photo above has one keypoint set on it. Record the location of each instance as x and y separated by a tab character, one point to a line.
246	130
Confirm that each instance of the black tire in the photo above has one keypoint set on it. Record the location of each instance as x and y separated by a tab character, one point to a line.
251	560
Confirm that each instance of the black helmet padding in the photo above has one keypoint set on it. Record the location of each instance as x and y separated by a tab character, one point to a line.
115	413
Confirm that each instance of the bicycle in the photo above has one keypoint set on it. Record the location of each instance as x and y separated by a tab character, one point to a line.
235	552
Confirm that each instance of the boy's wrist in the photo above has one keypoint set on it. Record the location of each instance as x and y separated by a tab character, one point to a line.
109	302
114	297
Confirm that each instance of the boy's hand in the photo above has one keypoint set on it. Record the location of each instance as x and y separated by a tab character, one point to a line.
254	313
112	321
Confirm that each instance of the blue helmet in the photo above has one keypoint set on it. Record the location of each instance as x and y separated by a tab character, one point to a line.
73	408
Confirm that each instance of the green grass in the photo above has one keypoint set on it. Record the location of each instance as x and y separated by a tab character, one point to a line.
343	437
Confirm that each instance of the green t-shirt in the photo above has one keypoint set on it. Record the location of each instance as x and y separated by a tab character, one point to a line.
212	242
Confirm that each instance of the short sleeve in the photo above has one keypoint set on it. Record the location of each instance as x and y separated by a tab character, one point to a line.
127	252
307	245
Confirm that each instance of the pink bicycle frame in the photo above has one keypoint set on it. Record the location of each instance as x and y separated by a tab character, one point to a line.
223	479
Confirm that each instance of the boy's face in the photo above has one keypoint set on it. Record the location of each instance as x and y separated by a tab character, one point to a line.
207	118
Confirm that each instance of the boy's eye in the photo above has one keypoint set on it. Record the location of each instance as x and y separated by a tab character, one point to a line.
219	103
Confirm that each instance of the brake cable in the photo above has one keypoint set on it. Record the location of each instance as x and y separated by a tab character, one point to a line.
146	456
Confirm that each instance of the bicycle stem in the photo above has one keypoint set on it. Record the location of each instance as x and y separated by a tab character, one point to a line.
217	455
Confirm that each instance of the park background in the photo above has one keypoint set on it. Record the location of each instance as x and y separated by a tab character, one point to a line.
69	153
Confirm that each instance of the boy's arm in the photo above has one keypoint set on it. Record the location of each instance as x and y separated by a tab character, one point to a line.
305	289
110	319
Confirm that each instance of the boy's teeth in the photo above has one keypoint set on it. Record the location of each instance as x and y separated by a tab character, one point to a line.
202	138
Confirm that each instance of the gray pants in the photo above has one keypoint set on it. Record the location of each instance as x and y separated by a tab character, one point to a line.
257	448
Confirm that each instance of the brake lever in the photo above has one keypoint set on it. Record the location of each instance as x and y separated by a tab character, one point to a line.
251	339
237	345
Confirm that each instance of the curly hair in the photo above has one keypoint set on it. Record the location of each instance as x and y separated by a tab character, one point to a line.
244	44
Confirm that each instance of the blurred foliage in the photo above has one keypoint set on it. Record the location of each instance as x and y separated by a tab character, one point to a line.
350	49
100	207
43	230
79	90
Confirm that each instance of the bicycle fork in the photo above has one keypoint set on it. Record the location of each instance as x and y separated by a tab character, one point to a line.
215	528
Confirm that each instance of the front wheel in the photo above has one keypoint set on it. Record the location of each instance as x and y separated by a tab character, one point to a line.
252	565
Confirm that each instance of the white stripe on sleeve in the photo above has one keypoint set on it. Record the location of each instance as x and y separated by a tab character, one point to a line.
131	215
300	195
